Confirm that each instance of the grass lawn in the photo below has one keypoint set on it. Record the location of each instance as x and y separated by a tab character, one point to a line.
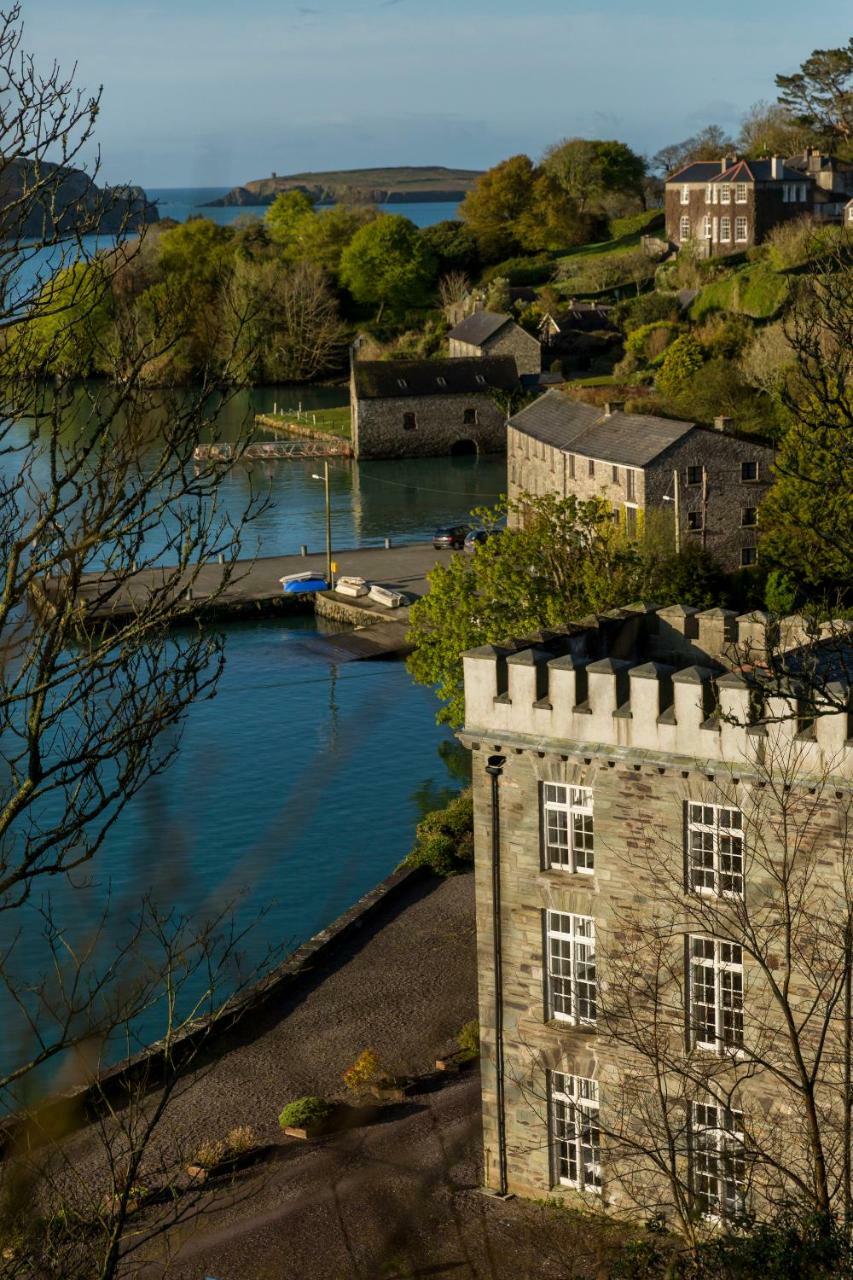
631	230
336	422
602	380
755	290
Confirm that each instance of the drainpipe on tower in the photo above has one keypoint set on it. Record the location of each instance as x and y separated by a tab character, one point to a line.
494	768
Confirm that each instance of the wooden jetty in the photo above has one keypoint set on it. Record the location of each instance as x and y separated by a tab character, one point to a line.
255	592
224	452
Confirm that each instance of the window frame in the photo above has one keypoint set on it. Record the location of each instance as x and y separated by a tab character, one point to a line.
693	469
573	1115
748	524
717	1139
591	468
685	193
630	484
578	991
748	557
741	225
725	230
469	417
410	420
695	522
725	193
741	196
682	235
577	807
710	823
749	462
727	983
707	227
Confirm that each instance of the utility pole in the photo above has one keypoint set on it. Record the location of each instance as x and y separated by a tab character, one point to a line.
705	502
677	505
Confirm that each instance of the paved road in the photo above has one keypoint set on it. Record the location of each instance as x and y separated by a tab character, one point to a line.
404	568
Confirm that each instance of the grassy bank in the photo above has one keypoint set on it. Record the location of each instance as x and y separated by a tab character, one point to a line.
331	422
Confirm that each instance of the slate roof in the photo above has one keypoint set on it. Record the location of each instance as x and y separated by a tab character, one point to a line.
632	439
398	379
479	327
740	171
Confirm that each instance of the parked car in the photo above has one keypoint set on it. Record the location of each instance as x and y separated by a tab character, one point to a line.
451	537
475	536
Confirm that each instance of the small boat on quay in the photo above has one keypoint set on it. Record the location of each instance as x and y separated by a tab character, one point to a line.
295	583
350	586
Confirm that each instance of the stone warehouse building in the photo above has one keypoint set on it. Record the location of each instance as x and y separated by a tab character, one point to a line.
490	333
726	206
421	408
710	480
640	796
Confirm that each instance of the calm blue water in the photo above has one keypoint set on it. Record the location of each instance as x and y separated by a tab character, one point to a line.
299	785
181	203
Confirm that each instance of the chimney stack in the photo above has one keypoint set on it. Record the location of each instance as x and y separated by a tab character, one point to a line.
723	423
776	166
613	406
727	162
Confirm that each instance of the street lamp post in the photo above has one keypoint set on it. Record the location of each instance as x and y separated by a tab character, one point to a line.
325	479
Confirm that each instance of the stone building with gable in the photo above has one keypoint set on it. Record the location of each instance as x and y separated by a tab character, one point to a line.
490	333
711	481
725	206
630	774
423	408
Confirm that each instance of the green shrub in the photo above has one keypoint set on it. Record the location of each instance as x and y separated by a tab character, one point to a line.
468	1039
681	361
780	592
303	1112
651	340
445	838
648	308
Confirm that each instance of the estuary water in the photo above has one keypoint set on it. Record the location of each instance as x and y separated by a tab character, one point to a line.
298	787
181	203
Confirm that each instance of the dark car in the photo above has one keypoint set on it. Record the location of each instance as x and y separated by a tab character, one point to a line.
451	537
476	536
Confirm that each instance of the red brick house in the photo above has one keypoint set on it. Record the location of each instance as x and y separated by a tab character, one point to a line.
724	206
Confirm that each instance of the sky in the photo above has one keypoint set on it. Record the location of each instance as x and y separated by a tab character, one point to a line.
217	92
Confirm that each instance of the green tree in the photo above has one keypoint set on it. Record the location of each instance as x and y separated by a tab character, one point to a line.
553	219
493	206
454	246
567	558
593	171
820	95
285	220
387	265
323	238
769	129
710	143
681	361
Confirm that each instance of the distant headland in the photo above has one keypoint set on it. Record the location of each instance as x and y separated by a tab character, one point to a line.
397	185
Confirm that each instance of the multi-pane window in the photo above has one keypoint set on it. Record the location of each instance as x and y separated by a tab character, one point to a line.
685	194
715	993
694	475
740	193
709	193
571	967
684	233
718	1160
725	194
567	823
714	849
748	471
741	230
630	484
576	1137
706	227
725	230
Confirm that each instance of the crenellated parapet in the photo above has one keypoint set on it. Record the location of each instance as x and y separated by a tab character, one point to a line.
656	681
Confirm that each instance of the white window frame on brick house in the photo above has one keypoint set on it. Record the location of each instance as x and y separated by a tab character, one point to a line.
715	994
740	193
725	193
575	1135
568	839
685	194
725	230
714	849
709	192
717	1161
741	230
684	230
571	974
707	227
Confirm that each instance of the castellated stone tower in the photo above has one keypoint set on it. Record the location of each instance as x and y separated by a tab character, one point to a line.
664	875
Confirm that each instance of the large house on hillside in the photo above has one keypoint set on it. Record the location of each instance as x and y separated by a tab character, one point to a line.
419	408
491	333
709	481
725	206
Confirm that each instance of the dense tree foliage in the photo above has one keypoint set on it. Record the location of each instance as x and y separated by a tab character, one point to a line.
388	265
820	95
593	173
492	207
566	559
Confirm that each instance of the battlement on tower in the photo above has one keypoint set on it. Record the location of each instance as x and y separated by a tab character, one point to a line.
675	681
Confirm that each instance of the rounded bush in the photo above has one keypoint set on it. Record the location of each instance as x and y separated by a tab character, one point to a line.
303	1112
